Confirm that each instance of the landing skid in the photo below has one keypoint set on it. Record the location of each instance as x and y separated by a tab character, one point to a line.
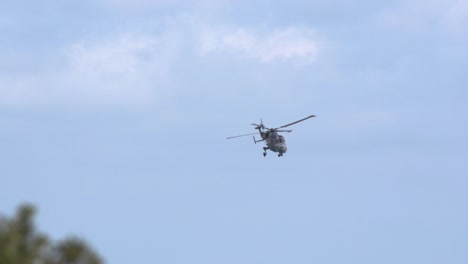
279	154
265	152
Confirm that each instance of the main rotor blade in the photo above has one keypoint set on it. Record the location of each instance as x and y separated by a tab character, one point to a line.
282	130
242	135
297	121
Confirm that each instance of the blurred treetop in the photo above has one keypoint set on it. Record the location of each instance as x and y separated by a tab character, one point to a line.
21	243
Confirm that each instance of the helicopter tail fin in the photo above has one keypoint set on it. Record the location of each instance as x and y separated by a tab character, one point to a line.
257	140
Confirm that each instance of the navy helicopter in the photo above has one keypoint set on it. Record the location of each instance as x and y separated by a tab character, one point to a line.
274	141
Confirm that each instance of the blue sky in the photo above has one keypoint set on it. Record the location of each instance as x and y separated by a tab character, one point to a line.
114	114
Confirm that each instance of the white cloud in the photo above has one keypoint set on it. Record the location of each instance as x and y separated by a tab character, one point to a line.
117	69
139	3
139	69
284	44
167	5
125	67
428	15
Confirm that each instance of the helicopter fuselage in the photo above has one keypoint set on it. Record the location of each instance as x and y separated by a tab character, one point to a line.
274	141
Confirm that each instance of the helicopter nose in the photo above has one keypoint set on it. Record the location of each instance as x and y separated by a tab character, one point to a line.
283	149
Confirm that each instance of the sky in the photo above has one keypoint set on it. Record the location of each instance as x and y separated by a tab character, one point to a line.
114	116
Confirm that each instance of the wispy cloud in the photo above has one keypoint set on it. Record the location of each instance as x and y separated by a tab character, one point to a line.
419	15
123	68
138	69
282	44
139	3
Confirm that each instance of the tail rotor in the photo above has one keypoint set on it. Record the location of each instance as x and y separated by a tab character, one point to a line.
259	126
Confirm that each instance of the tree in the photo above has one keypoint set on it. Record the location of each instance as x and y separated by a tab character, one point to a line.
21	243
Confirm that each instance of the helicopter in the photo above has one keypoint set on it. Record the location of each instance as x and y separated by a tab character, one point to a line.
274	141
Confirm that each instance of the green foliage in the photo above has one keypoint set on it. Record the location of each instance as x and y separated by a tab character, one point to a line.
20	243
